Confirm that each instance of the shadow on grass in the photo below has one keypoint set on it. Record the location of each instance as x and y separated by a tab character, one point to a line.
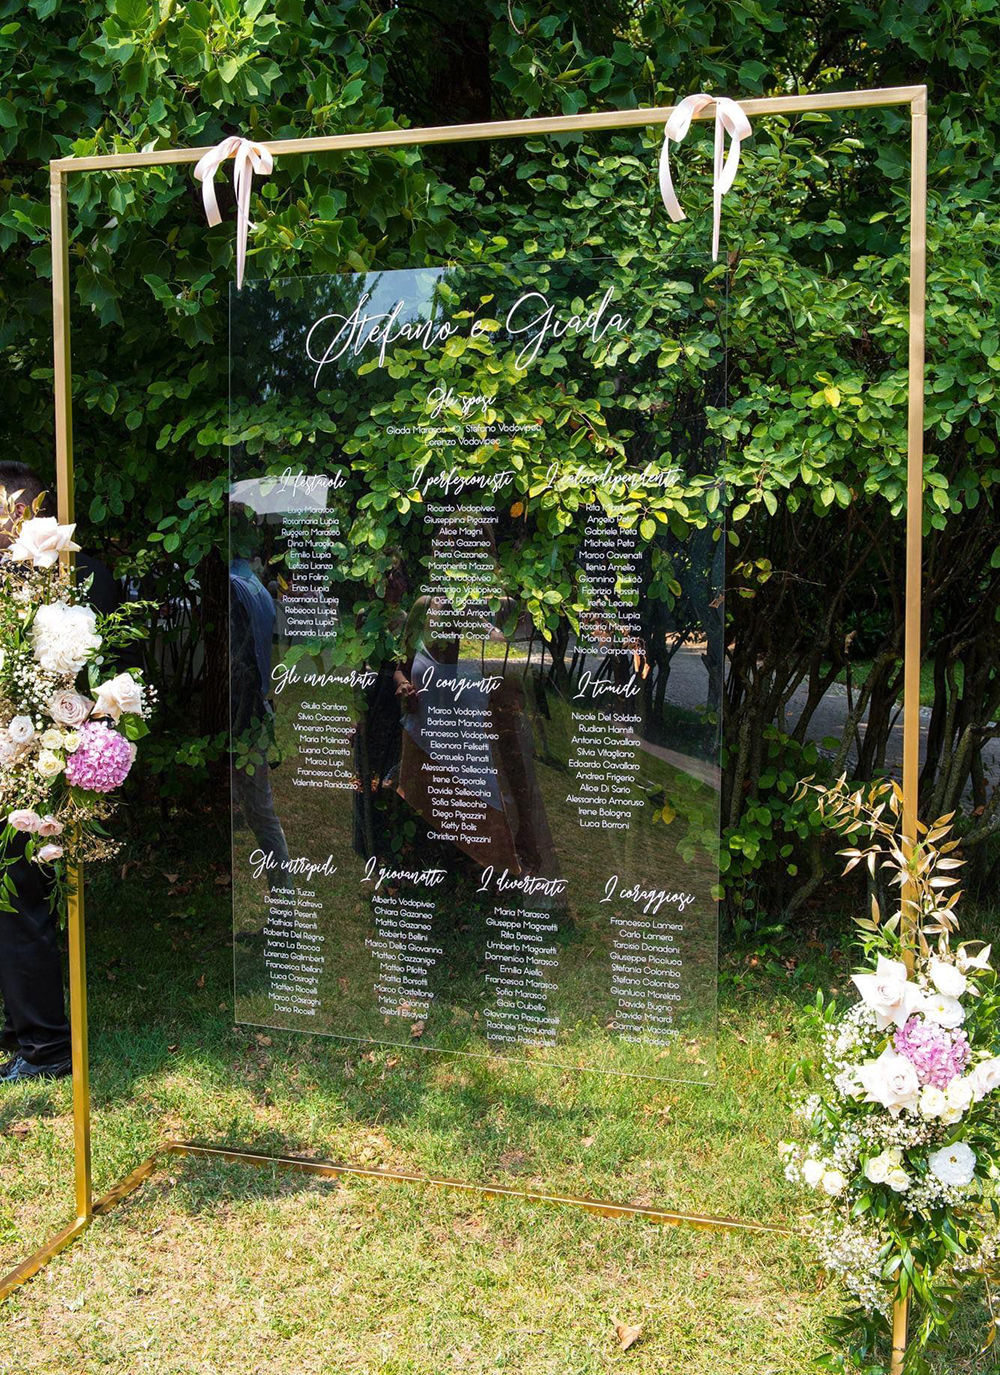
16	1104
168	1063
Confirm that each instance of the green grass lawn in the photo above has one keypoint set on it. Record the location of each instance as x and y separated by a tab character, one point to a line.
220	1268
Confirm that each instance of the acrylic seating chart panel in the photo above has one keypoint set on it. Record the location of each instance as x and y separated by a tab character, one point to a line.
476	659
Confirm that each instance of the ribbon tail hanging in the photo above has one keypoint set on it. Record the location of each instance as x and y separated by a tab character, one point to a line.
730	119
248	157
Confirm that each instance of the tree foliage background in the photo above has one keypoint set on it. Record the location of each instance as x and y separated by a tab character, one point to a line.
817	232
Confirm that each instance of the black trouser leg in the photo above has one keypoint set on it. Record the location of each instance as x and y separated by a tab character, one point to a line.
31	970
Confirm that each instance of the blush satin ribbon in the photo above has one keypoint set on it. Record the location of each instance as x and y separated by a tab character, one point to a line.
248	157
729	119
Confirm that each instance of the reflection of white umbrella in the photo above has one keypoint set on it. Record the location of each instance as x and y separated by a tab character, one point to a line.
283	492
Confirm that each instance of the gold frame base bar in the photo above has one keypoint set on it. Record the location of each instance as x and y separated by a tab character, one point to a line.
336	1169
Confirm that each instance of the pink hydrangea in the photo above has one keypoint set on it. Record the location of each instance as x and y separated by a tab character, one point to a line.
937	1055
101	761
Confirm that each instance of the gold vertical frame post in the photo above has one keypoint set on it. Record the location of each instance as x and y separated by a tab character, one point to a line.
78	1036
912	97
61	352
62	364
912	648
900	1324
914	501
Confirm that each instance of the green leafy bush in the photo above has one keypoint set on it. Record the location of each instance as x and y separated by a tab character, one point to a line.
815	320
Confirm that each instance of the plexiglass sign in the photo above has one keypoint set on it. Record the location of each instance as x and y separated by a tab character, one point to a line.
476	648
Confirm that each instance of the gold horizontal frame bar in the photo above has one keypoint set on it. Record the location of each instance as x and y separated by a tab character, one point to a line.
29	1268
507	128
336	1169
332	1169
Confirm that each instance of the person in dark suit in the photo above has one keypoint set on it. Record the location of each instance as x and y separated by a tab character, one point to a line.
35	1030
252	619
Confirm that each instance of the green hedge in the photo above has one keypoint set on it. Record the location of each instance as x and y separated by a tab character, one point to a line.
816	318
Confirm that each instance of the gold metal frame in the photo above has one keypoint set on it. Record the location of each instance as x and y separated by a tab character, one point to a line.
913	97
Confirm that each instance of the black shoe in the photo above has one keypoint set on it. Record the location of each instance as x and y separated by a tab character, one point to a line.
12	1046
21	1071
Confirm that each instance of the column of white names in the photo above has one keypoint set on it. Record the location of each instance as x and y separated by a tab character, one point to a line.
606	754
293	949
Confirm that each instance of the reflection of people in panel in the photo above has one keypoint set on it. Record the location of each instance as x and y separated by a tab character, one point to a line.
448	772
252	619
515	753
377	740
468	754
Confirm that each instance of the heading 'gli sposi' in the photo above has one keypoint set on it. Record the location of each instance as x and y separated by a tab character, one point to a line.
532	315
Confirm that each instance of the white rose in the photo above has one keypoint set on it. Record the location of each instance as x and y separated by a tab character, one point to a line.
888	992
947	979
8	750
985	1077
48	764
41	540
51	739
65	637
70	708
890	1080
877	1169
21	730
946	1011
898	1180
119	694
960	1093
812	1172
954	1164
932	1102
834	1182
50	825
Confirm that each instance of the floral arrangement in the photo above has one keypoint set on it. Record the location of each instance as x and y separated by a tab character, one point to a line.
67	731
900	1112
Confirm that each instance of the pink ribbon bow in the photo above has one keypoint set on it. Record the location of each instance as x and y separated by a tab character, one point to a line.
729	119
248	157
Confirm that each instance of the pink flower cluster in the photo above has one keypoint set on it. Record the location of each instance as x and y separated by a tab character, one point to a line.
101	761
937	1055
